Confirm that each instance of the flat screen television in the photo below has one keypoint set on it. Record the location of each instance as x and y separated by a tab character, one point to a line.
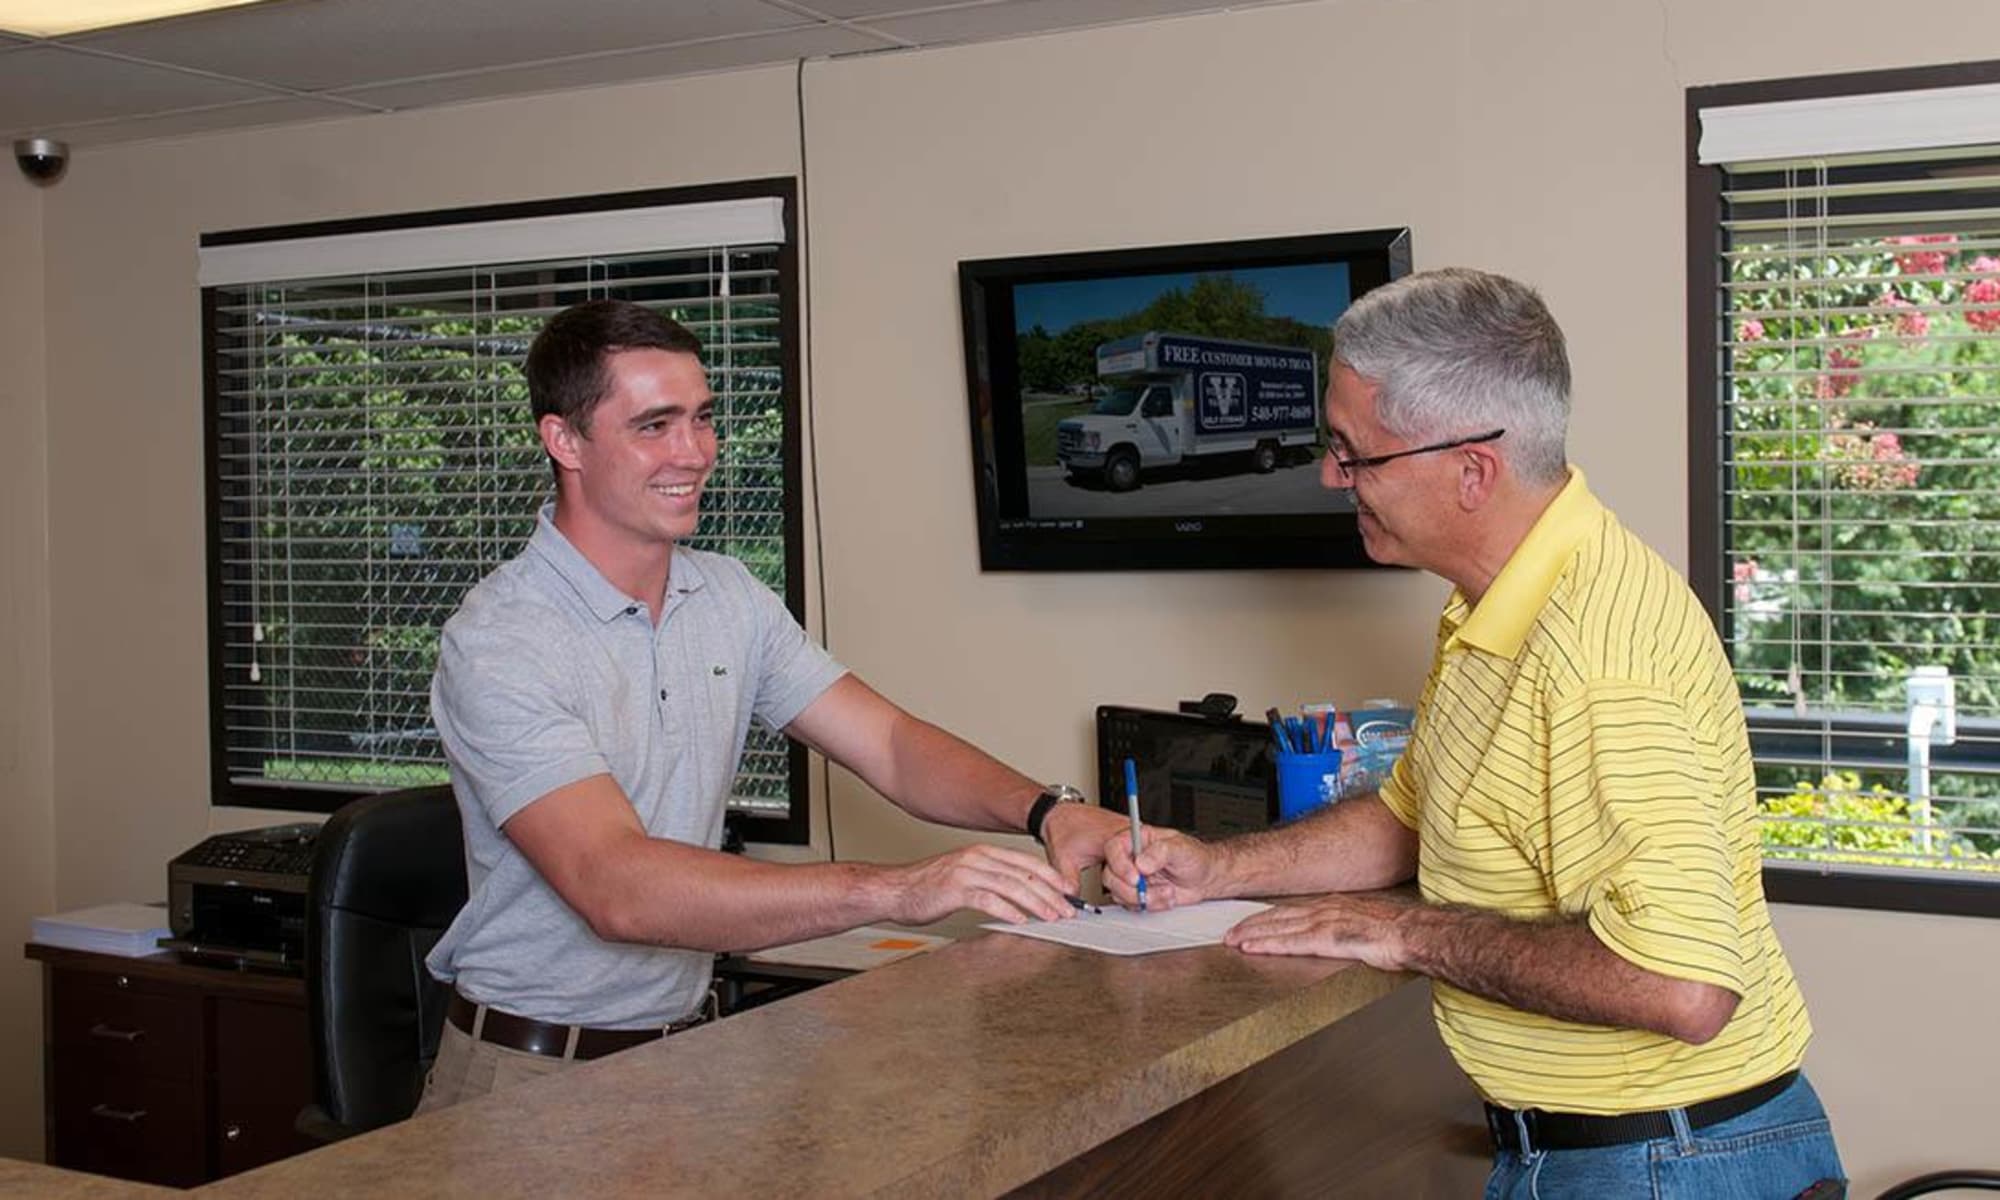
1160	408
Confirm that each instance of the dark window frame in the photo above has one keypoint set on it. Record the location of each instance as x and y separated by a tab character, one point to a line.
1829	884
794	828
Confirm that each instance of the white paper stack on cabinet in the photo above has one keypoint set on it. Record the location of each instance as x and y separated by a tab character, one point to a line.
127	930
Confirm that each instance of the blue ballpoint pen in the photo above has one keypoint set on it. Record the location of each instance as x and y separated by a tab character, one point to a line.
1132	810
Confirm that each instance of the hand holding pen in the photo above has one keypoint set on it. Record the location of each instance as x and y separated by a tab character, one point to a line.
1178	869
1158	866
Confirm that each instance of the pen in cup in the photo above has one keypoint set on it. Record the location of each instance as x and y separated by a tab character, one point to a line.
1278	732
1132	811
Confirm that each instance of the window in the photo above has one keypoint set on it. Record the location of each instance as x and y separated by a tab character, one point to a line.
1844	327
371	457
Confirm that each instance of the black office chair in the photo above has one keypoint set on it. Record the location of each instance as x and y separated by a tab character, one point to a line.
1944	1181
388	876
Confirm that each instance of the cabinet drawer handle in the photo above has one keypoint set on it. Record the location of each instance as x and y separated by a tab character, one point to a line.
115	1034
127	1115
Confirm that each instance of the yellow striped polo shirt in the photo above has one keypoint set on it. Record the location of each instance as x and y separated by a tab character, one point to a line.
1580	751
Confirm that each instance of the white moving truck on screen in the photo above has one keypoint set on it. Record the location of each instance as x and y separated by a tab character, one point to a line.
1175	397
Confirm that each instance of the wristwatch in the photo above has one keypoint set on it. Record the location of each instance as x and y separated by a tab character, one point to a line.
1052	795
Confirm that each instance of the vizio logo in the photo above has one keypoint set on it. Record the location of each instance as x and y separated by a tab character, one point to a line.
1187	526
1224	399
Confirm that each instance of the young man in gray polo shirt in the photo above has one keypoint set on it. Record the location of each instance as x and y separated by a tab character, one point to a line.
593	696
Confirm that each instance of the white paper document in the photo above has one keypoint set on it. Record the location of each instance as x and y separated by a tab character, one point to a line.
129	930
855	950
1119	931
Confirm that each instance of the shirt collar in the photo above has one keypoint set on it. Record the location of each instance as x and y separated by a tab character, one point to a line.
599	595
1499	623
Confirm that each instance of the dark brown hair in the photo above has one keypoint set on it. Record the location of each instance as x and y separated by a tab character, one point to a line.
566	365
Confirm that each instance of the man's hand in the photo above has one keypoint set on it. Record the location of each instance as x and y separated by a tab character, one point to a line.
1007	884
1179	869
1366	926
1074	835
1554	967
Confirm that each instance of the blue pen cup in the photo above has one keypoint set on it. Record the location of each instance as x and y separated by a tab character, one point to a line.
1306	781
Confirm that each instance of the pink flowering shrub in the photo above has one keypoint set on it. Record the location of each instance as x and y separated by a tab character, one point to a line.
1982	296
1911	321
1742	573
1867	460
1751	330
1922	262
1844	360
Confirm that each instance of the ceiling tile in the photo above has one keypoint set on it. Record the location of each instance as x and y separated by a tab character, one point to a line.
342	43
45	86
842	10
1010	18
279	111
619	68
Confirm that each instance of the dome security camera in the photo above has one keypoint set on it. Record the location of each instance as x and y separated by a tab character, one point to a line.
41	159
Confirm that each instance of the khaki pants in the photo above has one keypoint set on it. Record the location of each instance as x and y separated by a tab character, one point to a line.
466	1070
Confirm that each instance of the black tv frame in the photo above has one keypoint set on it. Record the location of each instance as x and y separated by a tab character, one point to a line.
1154	542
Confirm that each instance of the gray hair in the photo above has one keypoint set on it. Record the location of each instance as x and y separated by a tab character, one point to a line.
1458	352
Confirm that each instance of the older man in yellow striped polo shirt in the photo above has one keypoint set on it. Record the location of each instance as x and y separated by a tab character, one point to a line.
1577	802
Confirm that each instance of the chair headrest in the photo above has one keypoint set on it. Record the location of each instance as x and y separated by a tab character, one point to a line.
399	857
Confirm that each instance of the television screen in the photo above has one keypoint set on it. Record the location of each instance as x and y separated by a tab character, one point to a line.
1161	408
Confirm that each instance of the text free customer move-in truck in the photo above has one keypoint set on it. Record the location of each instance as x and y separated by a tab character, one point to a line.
1175	397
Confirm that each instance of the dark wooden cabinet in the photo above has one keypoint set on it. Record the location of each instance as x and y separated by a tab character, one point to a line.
170	1072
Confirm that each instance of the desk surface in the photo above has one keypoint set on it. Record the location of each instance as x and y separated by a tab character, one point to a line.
18	1178
167	966
966	1071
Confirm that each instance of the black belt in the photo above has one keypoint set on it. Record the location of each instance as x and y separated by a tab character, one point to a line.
542	1037
1580	1131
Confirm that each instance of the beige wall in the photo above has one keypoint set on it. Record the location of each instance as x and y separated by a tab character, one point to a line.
27	791
1543	139
125	493
1902	1011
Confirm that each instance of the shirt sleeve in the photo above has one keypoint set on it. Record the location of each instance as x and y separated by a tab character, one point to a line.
506	712
794	670
1399	790
1636	842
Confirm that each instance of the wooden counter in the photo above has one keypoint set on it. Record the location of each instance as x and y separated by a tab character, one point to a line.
18	1178
994	1065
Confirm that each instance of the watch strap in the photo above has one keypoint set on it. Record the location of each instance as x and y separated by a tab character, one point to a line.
1039	811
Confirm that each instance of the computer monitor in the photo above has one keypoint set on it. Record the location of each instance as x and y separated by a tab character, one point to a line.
1208	776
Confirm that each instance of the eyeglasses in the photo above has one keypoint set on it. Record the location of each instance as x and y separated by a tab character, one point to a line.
1349	466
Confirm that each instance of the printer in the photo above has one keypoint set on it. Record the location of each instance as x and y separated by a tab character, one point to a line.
241	897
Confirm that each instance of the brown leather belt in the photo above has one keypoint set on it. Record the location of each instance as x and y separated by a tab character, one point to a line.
542	1037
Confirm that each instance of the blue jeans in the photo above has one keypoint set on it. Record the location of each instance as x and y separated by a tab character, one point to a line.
1773	1152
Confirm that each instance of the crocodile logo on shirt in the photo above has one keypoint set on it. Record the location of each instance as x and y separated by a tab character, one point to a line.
719	669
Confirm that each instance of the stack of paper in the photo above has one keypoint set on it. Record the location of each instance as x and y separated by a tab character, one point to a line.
855	950
1115	930
127	930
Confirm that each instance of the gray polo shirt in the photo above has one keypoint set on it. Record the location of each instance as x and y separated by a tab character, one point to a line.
547	675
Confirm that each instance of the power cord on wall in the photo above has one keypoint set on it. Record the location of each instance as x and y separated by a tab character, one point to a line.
809	409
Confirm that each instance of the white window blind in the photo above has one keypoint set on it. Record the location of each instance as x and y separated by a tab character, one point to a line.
1858	418
373	457
1869	123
